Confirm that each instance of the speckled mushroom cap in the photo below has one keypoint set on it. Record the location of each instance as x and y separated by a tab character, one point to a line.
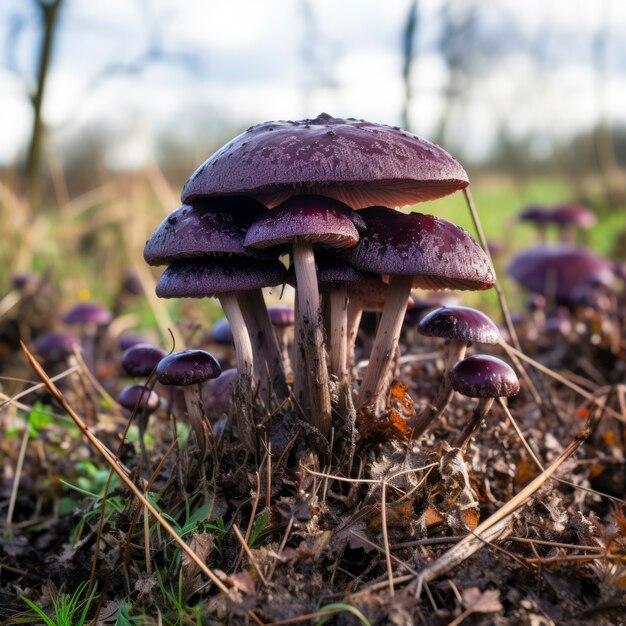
206	277
88	313
187	367
459	322
141	359
437	253
556	269
138	398
317	219
484	376
357	162
211	227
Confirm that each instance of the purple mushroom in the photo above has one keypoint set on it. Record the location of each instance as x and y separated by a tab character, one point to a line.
354	161
484	377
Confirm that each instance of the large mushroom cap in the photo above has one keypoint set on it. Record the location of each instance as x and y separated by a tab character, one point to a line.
484	376
319	220
459	322
187	367
358	162
556	269
201	278
215	226
437	253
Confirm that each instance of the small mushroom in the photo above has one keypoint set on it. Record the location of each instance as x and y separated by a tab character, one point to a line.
413	250
461	326
140	401
484	377
282	317
90	317
141	359
189	369
570	217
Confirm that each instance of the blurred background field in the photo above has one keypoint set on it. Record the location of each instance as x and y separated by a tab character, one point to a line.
107	109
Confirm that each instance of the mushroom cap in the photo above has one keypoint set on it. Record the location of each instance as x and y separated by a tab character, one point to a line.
218	393
484	376
437	253
141	359
281	314
128	341
187	367
56	345
332	269
535	213
221	332
556	269
317	219
215	226
357	162
139	398
459	322
88	313
210	276
573	213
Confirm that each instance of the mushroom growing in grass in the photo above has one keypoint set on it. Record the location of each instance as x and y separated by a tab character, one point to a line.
225	278
141	359
461	326
189	369
216	227
300	223
89	317
141	402
414	251
484	377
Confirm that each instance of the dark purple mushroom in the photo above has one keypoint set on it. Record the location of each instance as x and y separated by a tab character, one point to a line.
189	369
141	359
283	319
300	223
141	402
224	278
216	227
461	326
415	251
357	162
484	377
128	341
221	334
56	346
90	317
554	270
208	228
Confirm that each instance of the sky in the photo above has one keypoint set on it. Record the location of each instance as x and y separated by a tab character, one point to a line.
232	64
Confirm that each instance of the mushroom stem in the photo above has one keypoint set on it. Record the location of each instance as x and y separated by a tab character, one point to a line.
310	338
419	424
386	341
243	346
197	419
480	412
268	360
355	312
300	386
338	297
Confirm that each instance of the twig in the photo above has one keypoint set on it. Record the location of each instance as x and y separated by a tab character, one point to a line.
246	549
383	521
16	480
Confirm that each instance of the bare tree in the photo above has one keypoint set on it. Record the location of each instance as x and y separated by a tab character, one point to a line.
409	31
48	12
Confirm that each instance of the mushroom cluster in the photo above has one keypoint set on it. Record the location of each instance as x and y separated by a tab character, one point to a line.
325	192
